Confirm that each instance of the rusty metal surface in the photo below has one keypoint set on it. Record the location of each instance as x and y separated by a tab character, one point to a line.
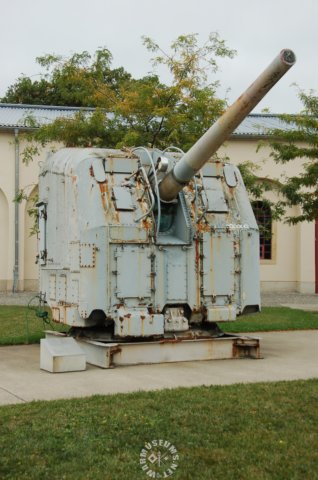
115	254
107	355
99	257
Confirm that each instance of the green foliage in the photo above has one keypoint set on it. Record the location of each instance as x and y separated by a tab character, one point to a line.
145	111
80	80
254	185
297	140
184	110
300	141
189	62
141	111
31	150
257	188
83	129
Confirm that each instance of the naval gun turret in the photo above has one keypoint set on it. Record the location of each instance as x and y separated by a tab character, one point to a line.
148	244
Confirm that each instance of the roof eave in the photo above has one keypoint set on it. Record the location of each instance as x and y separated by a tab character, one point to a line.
12	128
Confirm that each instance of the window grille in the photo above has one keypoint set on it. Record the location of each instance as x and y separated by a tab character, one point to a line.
263	215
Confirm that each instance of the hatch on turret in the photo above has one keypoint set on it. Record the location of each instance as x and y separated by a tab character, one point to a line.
214	199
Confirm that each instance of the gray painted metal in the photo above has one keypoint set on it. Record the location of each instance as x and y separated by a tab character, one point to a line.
122	198
109	267
218	266
107	355
116	256
214	196
229	175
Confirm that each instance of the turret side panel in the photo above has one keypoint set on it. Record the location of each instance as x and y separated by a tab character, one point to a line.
133	272
218	264
176	275
250	268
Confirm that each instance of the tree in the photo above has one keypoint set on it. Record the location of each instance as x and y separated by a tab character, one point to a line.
158	114
300	140
129	112
81	80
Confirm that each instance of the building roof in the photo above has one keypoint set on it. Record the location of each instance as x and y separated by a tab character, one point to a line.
258	124
18	116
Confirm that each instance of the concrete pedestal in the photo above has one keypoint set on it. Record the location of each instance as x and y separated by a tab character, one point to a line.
61	354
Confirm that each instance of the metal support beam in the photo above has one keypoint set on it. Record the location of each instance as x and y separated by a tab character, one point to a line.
107	355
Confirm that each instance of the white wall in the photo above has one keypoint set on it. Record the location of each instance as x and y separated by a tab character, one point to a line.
4	241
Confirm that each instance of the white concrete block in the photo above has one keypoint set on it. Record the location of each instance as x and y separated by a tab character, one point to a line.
61	354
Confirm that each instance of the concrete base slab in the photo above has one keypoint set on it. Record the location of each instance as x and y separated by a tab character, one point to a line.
61	354
287	356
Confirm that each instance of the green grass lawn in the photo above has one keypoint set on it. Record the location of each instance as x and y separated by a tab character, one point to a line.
248	432
273	318
20	325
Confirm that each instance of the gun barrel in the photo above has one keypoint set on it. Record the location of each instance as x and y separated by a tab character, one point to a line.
213	138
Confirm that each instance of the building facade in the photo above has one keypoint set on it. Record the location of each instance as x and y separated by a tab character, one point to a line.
288	256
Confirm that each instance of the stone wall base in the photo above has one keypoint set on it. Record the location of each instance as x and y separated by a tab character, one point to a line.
301	287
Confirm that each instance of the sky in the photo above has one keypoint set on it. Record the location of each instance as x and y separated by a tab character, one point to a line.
257	29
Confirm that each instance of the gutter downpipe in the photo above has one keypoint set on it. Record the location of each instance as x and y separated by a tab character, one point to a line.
16	212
